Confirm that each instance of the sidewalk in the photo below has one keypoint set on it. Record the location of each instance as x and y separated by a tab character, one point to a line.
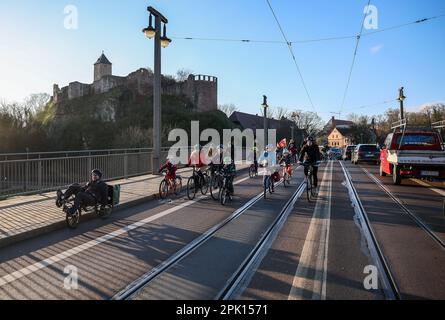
23	217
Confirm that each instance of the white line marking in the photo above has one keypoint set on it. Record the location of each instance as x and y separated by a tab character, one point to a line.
66	254
315	247
422	183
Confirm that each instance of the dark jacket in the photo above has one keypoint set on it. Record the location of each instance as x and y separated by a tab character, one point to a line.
98	189
310	154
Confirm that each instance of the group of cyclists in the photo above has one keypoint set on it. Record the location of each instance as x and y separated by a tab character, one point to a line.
219	161
220	164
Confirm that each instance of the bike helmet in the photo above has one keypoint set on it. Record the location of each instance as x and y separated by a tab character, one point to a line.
97	172
227	160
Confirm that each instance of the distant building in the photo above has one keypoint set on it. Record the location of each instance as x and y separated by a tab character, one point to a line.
283	127
338	133
202	90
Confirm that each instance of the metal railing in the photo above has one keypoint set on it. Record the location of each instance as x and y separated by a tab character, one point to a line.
32	173
42	172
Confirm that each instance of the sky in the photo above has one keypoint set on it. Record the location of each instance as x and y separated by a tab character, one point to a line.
37	50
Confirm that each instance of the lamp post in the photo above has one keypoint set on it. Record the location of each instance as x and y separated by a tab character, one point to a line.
160	41
265	106
401	98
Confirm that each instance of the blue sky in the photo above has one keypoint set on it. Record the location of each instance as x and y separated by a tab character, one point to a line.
37	51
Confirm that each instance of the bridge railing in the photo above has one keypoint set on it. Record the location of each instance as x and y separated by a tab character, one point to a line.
32	173
42	172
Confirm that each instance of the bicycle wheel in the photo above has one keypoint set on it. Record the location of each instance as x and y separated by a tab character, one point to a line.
224	196
191	188
285	180
252	171
308	187
265	186
204	184
72	220
215	187
178	185
271	185
163	189
313	189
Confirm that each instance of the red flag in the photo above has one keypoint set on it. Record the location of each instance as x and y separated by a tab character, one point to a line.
282	143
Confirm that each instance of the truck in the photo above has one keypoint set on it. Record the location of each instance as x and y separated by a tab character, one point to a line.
412	154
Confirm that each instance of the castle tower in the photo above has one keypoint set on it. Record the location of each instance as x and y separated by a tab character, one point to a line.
102	67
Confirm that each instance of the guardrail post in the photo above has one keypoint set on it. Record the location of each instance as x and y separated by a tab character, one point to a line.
126	165
39	176
26	176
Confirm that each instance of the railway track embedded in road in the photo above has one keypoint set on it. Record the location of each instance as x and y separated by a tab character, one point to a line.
132	289
416	219
390	287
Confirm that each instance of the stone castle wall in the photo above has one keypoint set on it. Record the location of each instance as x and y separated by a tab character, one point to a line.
202	90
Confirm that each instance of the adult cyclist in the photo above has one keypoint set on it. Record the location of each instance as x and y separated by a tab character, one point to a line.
310	155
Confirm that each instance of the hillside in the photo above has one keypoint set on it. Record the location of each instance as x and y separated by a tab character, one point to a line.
119	118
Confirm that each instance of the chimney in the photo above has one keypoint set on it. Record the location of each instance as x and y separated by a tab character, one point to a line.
333	122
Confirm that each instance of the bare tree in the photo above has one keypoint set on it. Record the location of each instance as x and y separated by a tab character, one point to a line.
281	113
36	102
228	109
183	74
308	121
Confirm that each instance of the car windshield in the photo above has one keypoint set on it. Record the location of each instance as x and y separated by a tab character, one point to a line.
368	148
417	140
351	148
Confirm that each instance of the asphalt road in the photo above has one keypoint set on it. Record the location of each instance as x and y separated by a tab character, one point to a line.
321	251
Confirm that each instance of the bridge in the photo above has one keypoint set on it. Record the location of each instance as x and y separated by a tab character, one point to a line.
359	237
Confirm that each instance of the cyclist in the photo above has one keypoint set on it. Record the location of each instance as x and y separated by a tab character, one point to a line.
310	155
229	171
197	161
253	157
293	150
170	169
90	194
268	160
286	161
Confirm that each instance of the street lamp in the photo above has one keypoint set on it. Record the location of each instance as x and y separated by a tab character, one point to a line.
163	41
265	106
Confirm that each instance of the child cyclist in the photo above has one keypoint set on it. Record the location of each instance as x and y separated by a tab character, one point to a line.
170	170
229	171
286	161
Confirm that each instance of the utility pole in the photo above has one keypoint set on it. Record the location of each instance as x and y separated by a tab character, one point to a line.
265	106
401	98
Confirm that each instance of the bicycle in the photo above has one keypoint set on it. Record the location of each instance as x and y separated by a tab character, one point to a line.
310	189
253	170
216	183
101	210
286	175
224	192
168	185
268	184
195	182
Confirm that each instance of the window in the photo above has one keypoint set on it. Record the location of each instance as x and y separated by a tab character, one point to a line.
418	140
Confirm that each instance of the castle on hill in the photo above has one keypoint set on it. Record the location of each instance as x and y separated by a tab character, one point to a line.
202	90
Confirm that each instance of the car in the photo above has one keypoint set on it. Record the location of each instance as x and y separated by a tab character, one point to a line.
347	152
366	153
412	154
335	154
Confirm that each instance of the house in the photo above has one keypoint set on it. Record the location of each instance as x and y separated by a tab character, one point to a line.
338	133
340	138
285	128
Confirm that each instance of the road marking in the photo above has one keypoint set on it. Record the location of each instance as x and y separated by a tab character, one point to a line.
315	250
422	183
66	254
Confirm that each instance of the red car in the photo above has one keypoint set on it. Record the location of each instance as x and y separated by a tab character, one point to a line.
414	154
